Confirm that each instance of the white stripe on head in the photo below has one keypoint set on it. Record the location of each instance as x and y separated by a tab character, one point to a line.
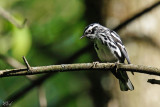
93	25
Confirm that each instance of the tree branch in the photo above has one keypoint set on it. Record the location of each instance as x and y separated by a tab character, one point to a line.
137	16
80	66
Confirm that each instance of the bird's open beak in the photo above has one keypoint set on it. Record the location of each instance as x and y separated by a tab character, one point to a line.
82	36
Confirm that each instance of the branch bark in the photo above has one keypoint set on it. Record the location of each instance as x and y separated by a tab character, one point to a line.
81	66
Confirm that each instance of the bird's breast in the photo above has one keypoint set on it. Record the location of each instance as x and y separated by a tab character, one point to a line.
103	52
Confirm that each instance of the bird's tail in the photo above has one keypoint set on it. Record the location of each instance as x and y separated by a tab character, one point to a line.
125	86
125	83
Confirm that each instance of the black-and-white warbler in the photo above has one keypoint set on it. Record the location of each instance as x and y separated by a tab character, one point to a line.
103	39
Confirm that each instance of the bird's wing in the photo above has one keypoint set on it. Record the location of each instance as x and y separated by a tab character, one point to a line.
119	43
124	52
116	37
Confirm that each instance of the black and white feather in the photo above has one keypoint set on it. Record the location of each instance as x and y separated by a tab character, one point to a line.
105	39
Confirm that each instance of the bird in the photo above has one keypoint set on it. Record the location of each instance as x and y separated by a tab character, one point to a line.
105	39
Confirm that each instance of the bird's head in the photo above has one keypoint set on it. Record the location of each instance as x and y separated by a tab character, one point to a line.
91	31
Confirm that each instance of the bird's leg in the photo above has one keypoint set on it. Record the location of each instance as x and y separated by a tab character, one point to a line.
115	70
116	66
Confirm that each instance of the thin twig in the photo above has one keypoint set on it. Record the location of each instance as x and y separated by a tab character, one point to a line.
154	81
27	64
11	19
16	64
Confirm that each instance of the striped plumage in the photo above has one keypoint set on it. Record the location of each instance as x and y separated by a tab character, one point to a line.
103	39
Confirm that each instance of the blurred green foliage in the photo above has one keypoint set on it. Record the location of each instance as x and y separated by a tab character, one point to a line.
51	35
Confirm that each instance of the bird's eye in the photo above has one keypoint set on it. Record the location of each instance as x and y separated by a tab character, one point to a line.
89	31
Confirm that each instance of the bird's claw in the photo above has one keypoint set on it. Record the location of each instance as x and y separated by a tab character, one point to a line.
116	65
95	64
